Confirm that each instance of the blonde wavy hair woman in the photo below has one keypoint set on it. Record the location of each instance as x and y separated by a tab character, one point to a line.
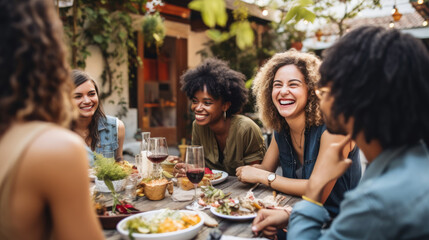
285	89
43	169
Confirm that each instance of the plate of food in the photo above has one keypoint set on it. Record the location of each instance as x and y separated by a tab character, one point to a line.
164	224
217	177
234	209
212	177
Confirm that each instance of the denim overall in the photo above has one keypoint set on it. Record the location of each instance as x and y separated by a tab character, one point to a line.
288	161
108	130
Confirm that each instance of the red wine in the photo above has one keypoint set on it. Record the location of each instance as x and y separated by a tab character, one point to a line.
157	158
195	175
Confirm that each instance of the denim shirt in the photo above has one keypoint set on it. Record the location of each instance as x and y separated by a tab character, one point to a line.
390	202
288	161
108	130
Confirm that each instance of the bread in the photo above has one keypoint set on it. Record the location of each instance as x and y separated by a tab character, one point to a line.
186	185
208	221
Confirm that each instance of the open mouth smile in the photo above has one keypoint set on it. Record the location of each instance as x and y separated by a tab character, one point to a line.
286	102
200	117
87	108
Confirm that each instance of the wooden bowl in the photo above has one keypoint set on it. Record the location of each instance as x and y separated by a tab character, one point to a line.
110	222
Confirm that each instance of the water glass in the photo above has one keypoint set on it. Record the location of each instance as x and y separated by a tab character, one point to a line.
108	153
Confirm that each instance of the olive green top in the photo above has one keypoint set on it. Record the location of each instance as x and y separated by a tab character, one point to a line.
244	144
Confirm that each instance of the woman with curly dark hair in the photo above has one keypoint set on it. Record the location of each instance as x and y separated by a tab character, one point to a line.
217	94
102	133
287	103
43	169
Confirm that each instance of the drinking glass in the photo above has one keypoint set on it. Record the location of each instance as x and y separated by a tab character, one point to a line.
108	153
157	152
145	166
145	139
195	171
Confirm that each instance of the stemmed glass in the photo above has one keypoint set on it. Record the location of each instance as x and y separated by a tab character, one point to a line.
157	152
195	171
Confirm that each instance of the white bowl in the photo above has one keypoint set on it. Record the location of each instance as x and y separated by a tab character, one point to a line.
184	234
118	185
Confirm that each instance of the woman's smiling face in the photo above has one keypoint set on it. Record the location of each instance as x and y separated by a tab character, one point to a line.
290	92
207	109
86	99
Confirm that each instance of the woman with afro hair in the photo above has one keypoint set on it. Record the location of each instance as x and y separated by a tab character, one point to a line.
217	95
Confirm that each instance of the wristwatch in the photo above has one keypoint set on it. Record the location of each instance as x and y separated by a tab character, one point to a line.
271	177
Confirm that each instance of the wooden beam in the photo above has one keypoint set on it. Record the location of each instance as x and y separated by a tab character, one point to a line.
170	9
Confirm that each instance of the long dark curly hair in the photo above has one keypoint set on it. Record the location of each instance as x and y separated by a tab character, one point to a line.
79	77
221	81
34	75
308	64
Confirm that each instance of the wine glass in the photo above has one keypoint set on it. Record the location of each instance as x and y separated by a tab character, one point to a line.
195	171
157	152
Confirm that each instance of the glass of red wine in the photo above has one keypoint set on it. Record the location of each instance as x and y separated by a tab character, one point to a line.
157	151
195	170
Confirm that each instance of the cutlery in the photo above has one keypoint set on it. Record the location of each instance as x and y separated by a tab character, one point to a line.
254	186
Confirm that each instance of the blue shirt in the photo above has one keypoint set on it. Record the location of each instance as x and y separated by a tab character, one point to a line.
289	163
108	130
390	202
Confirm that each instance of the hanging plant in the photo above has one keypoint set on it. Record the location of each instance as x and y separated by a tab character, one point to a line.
154	30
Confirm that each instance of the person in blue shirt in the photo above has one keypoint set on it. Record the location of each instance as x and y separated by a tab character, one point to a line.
284	89
102	133
374	89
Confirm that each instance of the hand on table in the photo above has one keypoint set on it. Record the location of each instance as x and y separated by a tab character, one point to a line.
250	174
270	220
173	159
179	170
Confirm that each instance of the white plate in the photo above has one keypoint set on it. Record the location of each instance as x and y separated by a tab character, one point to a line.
184	234
221	179
237	218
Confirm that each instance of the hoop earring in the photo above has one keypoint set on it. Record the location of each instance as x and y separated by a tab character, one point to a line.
224	116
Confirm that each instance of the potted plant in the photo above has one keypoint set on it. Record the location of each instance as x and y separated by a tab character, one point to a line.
110	176
153	30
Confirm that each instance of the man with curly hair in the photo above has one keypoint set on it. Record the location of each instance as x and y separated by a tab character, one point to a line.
287	103
374	89
44	188
217	95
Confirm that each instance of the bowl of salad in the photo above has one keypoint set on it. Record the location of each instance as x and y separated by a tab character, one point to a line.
163	224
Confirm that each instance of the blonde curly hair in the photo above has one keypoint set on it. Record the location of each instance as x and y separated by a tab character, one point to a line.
308	64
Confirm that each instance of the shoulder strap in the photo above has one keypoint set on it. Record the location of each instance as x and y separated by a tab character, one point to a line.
12	146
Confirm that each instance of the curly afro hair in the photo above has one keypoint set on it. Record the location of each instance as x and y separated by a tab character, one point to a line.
308	64
221	83
379	77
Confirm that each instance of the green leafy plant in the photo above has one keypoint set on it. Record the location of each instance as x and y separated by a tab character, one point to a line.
108	170
214	12
153	30
108	26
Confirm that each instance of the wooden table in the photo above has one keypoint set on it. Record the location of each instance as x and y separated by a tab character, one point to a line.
228	227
